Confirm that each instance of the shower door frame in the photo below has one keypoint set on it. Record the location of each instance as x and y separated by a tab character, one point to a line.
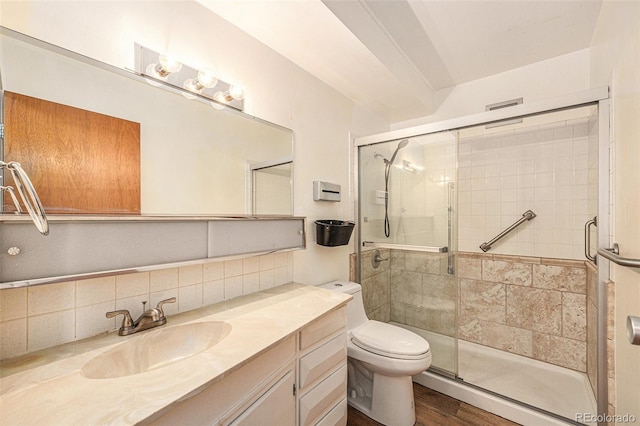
599	96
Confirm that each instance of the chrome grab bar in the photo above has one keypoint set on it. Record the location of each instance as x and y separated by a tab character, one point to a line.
587	238
430	249
613	254
526	216
12	193
29	196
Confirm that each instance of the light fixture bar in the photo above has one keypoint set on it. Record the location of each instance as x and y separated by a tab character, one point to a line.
147	60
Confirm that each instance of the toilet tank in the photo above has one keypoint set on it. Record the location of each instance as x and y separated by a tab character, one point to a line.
356	315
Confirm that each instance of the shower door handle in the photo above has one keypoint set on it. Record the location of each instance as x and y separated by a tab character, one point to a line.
587	238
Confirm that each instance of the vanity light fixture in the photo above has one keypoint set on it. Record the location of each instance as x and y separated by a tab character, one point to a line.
167	65
207	78
234	93
161	70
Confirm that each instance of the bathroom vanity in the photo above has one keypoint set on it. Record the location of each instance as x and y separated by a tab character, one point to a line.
278	356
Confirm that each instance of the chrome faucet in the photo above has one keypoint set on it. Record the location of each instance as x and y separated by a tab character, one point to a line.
150	318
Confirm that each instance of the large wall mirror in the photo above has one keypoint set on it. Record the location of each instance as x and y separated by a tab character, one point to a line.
185	156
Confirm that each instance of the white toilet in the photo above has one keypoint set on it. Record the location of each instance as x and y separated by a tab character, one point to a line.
381	360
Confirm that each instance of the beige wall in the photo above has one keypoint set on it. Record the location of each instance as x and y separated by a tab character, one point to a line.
615	61
276	90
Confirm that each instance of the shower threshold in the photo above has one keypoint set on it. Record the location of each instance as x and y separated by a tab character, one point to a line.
537	384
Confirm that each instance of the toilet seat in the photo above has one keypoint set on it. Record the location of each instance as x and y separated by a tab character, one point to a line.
389	341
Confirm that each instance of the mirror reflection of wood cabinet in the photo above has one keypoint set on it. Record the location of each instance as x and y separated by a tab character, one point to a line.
79	161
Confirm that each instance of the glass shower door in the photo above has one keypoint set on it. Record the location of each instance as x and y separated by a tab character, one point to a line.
406	215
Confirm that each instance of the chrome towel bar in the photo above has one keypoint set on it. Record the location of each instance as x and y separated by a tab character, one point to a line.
29	196
613	254
526	216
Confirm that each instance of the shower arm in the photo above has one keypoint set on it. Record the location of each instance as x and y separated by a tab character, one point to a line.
526	216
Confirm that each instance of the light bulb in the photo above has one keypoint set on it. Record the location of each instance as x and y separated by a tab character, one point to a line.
207	77
162	70
222	97
170	64
236	92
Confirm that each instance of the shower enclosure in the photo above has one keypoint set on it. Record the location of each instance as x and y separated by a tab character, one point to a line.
521	317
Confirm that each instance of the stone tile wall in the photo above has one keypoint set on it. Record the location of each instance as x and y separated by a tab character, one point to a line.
592	329
535	307
376	289
423	294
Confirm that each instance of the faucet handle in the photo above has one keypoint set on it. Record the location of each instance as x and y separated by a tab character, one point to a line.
162	302
127	321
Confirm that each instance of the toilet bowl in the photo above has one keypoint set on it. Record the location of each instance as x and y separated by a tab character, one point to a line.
381	360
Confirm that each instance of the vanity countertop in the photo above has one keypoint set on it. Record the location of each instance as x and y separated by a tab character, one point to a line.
47	387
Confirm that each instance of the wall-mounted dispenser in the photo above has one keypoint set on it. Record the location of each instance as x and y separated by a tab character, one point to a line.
325	191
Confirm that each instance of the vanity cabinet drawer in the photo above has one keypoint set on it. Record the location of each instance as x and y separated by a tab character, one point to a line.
337	416
320	361
324	327
278	405
323	397
237	391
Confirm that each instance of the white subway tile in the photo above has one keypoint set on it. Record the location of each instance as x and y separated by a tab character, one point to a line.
51	298
52	329
91	320
13	304
267	279
232	287
478	184
95	290
233	268
213	292
189	275
563	133
478	172
213	271
189	298
13	338
267	261
543	164
509	195
250	264
130	285
163	279
251	283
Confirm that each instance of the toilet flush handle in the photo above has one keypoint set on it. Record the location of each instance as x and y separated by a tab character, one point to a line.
376	259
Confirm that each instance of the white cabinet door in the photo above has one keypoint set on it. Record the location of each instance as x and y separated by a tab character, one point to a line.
276	407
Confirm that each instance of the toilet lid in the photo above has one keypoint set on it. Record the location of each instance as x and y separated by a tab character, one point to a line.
389	340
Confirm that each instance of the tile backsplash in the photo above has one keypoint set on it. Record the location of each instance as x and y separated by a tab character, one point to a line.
34	318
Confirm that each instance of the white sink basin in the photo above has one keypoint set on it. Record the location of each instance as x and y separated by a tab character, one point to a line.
156	349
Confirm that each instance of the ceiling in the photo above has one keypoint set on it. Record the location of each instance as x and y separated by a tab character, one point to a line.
391	56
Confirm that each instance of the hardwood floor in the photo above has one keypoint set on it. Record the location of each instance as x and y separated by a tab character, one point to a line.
436	409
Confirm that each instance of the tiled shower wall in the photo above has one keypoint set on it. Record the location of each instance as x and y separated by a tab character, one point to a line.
550	169
530	306
33	318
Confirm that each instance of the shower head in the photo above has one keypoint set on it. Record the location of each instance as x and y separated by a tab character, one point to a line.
402	144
